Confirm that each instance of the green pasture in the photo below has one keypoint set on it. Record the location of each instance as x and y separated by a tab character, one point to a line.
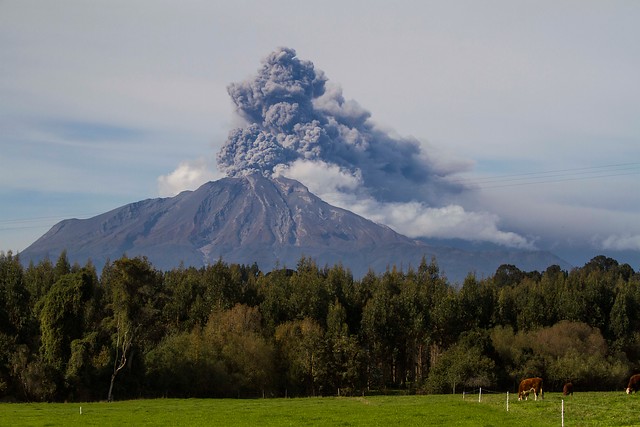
582	409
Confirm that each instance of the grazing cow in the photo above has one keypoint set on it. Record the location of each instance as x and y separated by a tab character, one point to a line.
567	389
530	385
634	384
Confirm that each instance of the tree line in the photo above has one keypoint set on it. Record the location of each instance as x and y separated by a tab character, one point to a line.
229	330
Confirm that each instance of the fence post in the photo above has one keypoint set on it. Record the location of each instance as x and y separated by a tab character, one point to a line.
562	411
463	392
480	395
507	401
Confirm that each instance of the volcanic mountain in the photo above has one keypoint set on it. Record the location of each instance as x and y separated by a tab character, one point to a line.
270	221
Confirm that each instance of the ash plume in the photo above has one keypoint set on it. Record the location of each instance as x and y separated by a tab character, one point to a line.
294	114
301	126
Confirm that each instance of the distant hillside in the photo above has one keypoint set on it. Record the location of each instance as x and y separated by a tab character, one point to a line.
267	221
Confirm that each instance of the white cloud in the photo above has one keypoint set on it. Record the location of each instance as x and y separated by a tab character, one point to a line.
187	176
622	243
413	219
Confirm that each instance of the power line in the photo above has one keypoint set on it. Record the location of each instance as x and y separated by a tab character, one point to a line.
37	222
560	180
564	172
551	176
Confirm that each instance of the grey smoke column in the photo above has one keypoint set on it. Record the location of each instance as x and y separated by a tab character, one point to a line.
293	114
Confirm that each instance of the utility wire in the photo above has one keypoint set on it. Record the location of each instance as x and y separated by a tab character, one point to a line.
562	172
37	222
560	180
551	176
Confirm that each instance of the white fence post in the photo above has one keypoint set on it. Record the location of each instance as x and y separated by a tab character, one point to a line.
463	392
507	401
562	411
480	395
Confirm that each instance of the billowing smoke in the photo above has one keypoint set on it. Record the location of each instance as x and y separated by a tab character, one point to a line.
299	125
293	114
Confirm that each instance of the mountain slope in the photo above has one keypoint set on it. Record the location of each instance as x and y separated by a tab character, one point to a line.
255	219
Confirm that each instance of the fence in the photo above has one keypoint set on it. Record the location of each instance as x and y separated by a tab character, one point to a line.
625	411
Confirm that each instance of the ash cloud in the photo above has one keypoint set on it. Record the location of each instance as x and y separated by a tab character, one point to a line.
293	113
301	126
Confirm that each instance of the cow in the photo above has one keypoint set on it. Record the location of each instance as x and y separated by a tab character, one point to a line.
634	384
567	389
530	385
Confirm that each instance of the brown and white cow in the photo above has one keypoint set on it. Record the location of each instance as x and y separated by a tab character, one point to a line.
567	389
634	384
530	385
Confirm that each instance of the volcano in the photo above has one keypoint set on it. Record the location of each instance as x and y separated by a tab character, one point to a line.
253	219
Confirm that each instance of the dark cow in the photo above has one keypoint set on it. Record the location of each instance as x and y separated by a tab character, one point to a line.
530	385
567	389
634	384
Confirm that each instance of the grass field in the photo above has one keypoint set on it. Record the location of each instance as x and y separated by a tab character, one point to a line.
582	409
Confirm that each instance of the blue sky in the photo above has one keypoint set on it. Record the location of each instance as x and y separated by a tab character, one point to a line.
533	105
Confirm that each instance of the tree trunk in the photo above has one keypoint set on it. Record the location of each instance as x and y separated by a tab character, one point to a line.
126	344
110	395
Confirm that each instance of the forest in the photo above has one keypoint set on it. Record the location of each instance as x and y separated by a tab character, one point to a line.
71	333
